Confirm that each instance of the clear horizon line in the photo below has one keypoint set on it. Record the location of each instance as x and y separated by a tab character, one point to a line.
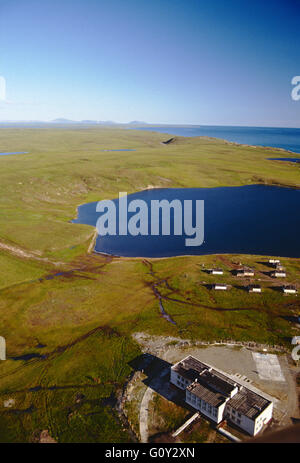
110	122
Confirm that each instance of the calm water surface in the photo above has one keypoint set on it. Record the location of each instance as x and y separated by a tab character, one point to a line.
297	160
288	139
253	219
16	152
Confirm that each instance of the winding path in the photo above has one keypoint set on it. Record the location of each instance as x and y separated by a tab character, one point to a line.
159	383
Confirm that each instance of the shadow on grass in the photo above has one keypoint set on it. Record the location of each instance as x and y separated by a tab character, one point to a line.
290	318
266	264
157	371
241	287
278	289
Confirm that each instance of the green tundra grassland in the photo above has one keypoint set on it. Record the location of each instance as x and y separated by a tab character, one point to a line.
69	343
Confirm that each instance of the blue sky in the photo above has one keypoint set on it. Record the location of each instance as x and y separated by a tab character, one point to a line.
168	61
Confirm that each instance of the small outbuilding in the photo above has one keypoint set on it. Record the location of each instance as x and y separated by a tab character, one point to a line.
278	274
245	272
296	340
220	287
290	289
274	261
216	271
254	289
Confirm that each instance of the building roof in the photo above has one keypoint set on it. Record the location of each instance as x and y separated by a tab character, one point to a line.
190	368
215	388
208	384
248	403
217	382
211	397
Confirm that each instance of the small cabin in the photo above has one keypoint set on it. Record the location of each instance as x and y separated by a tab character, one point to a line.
254	289
289	289
296	340
216	271
278	274
279	268
220	286
245	272
274	261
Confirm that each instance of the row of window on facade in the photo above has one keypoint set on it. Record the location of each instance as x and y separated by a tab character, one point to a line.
202	404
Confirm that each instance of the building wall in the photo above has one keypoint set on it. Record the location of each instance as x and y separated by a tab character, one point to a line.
252	427
240	420
263	418
217	414
179	381
213	413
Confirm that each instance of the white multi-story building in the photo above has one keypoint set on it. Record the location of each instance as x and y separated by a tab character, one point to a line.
218	397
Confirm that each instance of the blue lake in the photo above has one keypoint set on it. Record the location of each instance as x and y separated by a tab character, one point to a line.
253	219
288	139
16	152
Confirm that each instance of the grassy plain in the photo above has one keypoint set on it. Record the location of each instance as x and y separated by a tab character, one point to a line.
69	336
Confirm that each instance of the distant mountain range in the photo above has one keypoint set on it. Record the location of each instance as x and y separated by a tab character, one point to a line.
88	121
62	120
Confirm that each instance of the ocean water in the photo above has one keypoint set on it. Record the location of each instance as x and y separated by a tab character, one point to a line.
287	139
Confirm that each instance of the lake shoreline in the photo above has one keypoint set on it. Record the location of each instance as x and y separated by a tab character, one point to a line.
250	220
